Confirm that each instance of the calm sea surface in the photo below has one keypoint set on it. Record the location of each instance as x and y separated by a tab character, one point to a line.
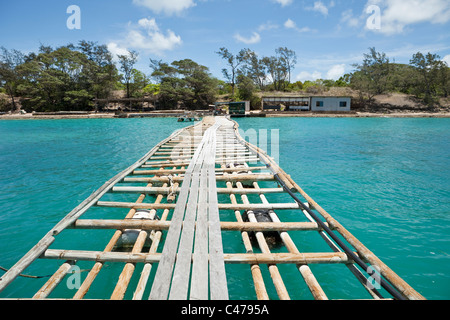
386	180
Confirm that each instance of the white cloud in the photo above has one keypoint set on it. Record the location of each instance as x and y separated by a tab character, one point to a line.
447	59
169	7
284	2
320	7
397	15
255	38
147	36
336	72
267	26
306	29
289	24
116	50
148	24
349	19
305	75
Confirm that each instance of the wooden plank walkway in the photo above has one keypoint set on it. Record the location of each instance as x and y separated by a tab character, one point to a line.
197	201
177	181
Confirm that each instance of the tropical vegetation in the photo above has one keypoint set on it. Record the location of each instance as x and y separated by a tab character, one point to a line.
76	77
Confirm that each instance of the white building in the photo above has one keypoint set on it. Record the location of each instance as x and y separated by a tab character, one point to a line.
342	104
331	103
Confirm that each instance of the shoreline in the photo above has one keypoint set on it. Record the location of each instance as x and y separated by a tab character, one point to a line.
255	115
366	115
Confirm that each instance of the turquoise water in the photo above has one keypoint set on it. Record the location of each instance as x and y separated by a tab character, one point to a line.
386	180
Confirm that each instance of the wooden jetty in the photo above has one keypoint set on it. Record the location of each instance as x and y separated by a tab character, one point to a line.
181	227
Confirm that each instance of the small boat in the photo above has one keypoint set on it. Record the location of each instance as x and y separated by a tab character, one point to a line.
184	119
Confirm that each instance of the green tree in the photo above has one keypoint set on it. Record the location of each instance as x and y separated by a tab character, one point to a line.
254	68
372	76
127	63
343	81
152	89
184	83
54	80
288	59
402	78
246	88
100	72
9	75
137	83
428	69
234	62
66	78
444	80
295	86
278	71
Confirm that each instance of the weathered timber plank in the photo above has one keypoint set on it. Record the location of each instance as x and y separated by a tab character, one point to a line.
218	280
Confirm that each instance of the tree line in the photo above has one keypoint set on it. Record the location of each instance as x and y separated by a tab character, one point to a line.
72	77
426	77
66	78
249	73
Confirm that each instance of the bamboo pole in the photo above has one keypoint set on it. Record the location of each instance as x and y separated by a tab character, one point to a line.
189	156
165	190
180	162
310	280
189	148
167	163
139	292
55	279
273	269
82	291
127	272
222	206
304	270
390	275
288	258
260	288
165	225
404	288
231	258
219	177
176	171
358	274
84	288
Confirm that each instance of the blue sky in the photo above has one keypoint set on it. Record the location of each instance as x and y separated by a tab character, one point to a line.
328	36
